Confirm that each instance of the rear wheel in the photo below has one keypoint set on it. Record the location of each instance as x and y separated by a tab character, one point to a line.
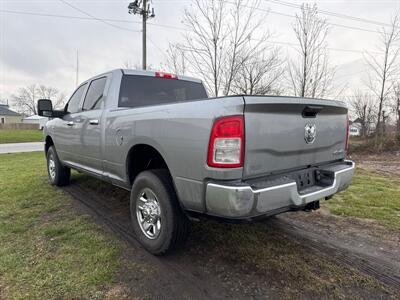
59	175
157	219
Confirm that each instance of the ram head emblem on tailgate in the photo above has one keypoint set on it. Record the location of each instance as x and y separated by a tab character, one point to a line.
310	132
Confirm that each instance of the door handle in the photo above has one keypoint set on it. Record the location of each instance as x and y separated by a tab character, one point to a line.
70	123
94	122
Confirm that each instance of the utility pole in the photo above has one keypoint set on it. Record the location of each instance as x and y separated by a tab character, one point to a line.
144	44
142	7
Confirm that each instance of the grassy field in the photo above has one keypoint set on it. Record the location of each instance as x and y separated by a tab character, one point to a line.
370	196
50	251
46	249
20	136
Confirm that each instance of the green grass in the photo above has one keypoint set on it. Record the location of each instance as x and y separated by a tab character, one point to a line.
370	196
47	249
20	136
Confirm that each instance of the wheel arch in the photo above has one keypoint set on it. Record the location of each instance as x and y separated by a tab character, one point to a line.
48	143
141	157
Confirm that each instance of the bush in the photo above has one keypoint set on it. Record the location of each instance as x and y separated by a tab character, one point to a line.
372	145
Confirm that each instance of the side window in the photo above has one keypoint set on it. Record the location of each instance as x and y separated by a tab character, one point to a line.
94	96
73	103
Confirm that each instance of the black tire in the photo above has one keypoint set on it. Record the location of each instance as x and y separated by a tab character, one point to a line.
59	175
174	225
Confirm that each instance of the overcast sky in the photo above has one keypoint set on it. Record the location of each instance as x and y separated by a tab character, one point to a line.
42	49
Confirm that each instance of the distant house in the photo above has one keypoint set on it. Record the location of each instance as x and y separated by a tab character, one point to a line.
35	119
8	116
356	128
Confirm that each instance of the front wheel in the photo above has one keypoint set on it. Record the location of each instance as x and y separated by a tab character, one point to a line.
58	174
157	219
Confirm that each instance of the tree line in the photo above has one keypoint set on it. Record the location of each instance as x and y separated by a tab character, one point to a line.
25	100
228	45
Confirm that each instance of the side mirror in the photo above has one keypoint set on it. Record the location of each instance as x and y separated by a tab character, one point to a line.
45	108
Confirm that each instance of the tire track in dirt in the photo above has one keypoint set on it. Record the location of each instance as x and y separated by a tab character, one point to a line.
378	268
176	280
181	280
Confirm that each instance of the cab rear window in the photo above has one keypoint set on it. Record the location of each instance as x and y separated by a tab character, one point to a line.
137	91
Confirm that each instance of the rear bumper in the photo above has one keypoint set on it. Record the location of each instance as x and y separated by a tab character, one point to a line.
238	201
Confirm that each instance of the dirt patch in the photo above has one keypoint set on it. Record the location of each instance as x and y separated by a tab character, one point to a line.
384	164
120	292
360	243
221	261
360	232
110	207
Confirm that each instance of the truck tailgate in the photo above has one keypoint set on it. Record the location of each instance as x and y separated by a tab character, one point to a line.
284	133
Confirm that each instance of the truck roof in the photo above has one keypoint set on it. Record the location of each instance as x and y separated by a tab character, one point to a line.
142	73
153	74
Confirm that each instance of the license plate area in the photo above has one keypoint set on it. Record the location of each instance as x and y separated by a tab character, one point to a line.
305	179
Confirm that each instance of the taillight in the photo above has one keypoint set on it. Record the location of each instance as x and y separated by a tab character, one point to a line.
226	146
347	134
166	75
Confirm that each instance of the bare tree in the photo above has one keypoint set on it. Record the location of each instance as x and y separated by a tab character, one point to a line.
176	59
385	67
363	107
26	98
222	37
47	92
128	64
206	40
259	75
243	47
396	105
310	75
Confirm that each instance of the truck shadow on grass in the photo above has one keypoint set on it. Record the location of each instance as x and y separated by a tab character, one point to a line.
222	260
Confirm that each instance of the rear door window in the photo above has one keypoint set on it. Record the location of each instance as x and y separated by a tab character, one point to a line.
73	103
94	95
137	91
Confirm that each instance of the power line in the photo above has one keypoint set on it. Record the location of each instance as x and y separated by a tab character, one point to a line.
329	48
329	23
108	20
165	26
292	16
329	13
322	11
95	18
155	45
89	19
279	2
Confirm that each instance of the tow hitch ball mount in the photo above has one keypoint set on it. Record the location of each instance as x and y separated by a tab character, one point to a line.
312	206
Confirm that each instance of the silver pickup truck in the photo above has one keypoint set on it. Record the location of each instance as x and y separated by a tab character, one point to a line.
184	155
